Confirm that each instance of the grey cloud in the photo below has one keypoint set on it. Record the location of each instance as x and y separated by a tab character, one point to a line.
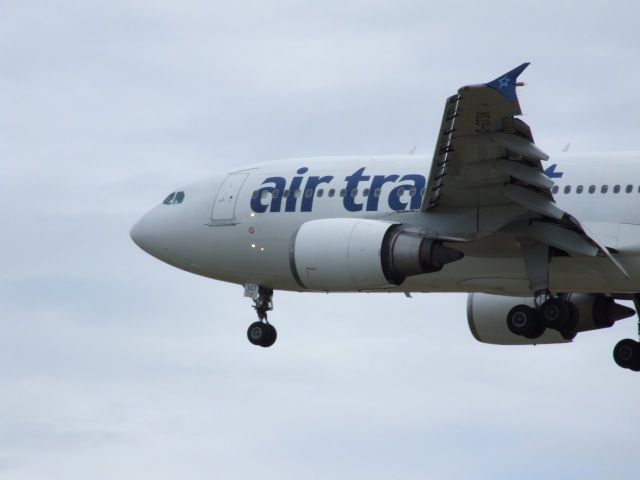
113	365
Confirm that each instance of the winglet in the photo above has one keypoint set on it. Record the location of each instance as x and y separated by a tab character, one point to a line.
506	84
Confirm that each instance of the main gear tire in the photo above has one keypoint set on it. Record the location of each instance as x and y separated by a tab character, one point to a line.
524	321
555	313
626	354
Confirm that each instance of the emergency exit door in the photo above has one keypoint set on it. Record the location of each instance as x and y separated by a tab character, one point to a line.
224	205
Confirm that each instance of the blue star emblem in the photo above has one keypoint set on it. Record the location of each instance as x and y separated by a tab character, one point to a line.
503	82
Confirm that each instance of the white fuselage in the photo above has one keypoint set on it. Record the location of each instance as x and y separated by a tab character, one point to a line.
238	227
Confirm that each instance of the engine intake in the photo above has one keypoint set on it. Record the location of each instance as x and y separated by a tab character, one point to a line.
352	254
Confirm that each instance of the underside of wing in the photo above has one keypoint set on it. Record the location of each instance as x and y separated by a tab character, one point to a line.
486	159
483	147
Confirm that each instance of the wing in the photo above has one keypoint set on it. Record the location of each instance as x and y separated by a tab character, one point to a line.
481	145
486	159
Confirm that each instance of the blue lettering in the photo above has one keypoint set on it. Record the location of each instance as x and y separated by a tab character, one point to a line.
310	191
276	195
290	206
395	202
551	172
419	182
352	184
377	183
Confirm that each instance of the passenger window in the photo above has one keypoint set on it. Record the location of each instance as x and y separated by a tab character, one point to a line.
629	188
320	192
555	189
308	193
276	193
616	189
412	191
265	194
567	189
343	192
376	192
354	192
604	188
169	199
285	194
365	192
332	192
592	188
296	193
400	191
579	189
179	197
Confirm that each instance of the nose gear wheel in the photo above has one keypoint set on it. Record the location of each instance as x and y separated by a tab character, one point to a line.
261	333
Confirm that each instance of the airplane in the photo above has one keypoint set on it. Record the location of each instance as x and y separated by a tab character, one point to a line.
543	253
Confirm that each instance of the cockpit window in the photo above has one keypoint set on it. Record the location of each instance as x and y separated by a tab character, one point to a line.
175	197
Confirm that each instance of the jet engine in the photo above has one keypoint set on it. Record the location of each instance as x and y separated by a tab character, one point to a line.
487	315
351	254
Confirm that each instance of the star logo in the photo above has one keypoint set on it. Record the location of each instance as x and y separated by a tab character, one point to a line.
503	82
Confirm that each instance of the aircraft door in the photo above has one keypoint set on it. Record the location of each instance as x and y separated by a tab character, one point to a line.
223	211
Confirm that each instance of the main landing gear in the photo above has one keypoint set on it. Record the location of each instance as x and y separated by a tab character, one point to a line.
261	333
550	312
626	353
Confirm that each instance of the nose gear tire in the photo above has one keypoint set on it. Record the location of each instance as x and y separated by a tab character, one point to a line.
262	334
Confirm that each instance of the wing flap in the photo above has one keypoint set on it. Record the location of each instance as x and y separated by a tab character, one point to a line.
562	238
519	145
532	201
524	173
603	249
486	160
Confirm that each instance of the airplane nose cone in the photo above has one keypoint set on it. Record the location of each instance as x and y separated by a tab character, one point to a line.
146	234
136	233
152	233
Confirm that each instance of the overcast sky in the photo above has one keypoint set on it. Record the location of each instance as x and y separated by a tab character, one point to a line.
115	365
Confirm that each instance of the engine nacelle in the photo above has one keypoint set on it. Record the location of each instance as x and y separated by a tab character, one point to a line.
351	254
487	315
598	311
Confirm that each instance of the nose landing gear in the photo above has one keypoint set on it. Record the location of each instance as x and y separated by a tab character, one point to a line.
261	333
